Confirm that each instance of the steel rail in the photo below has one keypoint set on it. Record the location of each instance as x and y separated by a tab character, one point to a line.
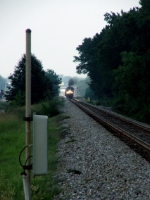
111	126
129	121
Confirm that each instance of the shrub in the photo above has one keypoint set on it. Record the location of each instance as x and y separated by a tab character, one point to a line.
52	107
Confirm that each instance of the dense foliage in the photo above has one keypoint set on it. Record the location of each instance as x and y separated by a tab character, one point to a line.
117	61
43	84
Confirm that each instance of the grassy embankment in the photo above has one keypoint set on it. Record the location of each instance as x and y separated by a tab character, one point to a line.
12	141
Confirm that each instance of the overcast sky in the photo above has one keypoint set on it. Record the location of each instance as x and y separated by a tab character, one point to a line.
58	27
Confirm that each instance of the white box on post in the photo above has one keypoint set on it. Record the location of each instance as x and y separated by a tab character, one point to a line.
40	145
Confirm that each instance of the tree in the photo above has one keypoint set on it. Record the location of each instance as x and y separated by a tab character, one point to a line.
145	5
100	55
117	61
132	80
88	60
40	82
53	82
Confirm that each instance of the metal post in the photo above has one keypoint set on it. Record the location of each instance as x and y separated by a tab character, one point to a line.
28	103
26	187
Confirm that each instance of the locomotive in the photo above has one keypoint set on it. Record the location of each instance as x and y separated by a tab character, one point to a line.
69	92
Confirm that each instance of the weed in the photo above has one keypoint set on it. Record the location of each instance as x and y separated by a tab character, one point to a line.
51	107
71	140
12	137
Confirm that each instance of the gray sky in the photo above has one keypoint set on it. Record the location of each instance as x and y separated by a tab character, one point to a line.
58	27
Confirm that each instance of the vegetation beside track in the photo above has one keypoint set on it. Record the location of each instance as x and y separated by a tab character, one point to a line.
12	137
120	54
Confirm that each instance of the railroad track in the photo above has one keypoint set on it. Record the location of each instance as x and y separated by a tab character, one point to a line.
133	133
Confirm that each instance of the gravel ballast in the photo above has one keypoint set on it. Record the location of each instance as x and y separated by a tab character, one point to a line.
95	165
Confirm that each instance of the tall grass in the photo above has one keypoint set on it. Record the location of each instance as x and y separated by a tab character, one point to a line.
12	141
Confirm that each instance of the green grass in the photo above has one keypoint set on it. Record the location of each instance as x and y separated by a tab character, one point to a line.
12	141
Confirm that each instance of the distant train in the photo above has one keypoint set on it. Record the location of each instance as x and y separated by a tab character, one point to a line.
69	92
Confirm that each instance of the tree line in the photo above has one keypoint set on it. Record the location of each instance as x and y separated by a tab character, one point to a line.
44	84
117	61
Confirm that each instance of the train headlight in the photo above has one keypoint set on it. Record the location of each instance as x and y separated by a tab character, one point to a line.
69	92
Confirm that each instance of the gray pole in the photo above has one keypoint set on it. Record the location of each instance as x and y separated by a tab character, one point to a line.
28	101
